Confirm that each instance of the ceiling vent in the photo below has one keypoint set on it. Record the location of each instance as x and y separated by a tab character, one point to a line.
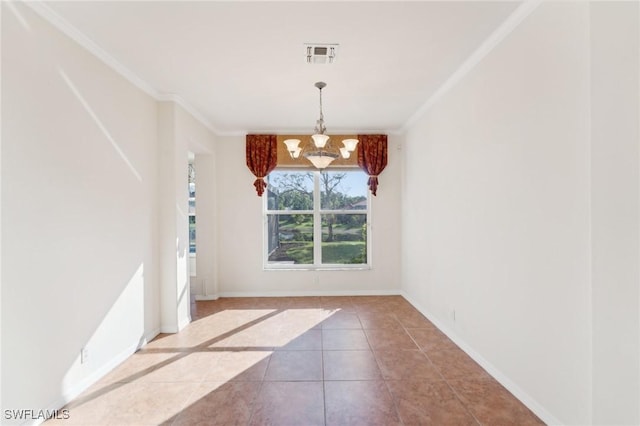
320	53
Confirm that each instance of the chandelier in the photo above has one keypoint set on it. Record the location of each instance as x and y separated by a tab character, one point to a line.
320	153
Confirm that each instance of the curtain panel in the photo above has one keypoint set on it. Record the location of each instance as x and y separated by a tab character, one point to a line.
372	157
262	158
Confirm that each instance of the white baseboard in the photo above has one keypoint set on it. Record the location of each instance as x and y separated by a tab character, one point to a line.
75	390
174	328
199	297
184	322
394	292
149	337
523	396
169	329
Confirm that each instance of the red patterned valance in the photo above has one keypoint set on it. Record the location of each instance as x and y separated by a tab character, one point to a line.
372	157
262	158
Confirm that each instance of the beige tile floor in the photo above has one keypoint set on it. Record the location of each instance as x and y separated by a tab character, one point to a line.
301	361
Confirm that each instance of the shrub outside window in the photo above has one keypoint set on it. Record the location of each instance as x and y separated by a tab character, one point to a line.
316	220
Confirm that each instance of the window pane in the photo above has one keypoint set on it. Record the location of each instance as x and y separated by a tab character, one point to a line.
343	190
192	234
344	238
290	190
290	238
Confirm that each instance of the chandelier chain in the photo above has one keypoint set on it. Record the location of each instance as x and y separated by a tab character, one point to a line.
320	128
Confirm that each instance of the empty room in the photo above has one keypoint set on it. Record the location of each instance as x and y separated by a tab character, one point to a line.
320	213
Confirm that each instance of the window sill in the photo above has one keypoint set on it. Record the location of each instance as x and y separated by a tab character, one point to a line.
316	268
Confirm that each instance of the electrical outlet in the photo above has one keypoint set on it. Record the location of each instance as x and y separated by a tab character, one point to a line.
84	355
453	314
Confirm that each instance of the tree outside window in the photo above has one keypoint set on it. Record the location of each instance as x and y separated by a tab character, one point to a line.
315	219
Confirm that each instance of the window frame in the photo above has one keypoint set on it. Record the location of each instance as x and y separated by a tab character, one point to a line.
317	213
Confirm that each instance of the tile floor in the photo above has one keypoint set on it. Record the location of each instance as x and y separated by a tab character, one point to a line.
301	361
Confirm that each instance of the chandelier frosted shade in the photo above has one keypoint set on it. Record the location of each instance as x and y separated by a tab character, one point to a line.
320	141
350	144
321	159
293	147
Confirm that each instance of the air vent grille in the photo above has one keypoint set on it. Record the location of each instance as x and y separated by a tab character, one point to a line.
317	53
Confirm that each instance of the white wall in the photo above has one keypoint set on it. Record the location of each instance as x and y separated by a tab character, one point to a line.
496	223
240	262
519	183
615	154
79	214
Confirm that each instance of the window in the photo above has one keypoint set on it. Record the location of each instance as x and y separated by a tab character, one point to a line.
316	220
192	209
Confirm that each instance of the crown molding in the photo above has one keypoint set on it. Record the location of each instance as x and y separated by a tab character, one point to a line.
234	133
487	46
309	131
45	12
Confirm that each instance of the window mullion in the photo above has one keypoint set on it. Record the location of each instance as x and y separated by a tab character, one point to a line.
317	221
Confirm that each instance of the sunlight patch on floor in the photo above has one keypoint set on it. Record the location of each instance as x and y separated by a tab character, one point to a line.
276	331
210	328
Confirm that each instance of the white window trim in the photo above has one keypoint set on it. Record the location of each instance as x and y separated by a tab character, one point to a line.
317	233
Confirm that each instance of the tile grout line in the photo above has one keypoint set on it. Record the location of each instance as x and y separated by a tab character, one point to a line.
386	382
324	390
257	395
446	381
187	399
471	413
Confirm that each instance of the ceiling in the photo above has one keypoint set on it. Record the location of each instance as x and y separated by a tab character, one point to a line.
241	65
